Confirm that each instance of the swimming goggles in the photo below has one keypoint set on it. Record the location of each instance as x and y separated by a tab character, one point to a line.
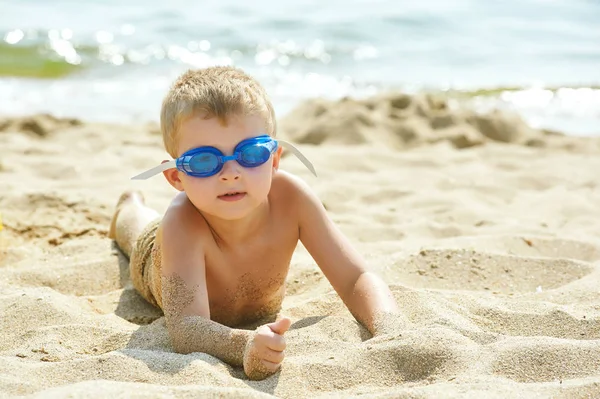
208	161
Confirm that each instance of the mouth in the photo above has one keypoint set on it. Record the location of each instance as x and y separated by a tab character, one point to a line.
232	196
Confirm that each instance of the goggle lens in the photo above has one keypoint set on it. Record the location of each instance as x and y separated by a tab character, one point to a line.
254	155
204	163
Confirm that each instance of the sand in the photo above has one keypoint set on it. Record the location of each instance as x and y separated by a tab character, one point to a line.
487	230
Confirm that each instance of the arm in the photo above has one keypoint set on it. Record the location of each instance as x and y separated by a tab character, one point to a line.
185	296
365	295
196	333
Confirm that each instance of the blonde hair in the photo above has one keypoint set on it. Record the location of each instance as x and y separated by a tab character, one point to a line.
221	92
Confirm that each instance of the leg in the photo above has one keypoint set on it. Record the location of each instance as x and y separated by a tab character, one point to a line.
130	218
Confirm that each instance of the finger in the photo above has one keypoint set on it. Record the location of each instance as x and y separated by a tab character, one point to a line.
276	343
272	356
270	366
264	332
266	338
280	326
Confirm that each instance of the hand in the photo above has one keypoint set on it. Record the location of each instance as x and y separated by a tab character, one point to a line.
264	351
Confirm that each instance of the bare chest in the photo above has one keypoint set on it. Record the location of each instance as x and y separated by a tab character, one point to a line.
248	283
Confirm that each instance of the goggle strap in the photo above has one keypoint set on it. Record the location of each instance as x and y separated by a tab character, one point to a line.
173	163
298	154
155	170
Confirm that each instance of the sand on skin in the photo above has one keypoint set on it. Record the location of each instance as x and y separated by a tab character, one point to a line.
487	230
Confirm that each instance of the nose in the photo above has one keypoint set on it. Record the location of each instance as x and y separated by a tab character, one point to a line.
231	171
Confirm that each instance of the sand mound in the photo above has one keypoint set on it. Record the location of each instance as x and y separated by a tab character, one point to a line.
404	121
38	125
492	252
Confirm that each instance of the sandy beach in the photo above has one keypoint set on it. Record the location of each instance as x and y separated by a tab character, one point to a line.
487	231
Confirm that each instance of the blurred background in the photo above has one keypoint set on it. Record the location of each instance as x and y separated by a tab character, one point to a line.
107	60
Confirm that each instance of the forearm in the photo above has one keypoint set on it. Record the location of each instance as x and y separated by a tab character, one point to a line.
199	334
370	301
194	333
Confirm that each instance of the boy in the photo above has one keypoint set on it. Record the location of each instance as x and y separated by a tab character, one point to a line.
219	256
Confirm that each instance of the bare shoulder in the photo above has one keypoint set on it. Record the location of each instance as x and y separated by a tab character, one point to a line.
295	192
181	216
290	188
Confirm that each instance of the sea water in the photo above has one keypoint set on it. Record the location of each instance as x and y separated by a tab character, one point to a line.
109	60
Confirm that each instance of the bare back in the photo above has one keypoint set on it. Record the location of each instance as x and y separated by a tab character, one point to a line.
244	282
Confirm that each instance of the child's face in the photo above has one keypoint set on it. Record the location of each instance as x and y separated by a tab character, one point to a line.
208	193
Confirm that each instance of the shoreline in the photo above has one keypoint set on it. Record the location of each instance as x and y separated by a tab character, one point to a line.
571	110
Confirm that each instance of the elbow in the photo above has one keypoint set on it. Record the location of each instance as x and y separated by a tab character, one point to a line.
179	346
354	283
364	286
178	336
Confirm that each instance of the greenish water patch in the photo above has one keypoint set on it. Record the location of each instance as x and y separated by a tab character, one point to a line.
497	91
33	61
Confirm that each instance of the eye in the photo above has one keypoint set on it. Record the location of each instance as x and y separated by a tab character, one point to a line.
255	154
205	162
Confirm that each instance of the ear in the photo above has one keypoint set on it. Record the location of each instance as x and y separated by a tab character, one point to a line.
172	176
277	157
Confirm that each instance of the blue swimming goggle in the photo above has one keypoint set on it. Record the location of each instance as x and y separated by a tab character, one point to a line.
208	161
